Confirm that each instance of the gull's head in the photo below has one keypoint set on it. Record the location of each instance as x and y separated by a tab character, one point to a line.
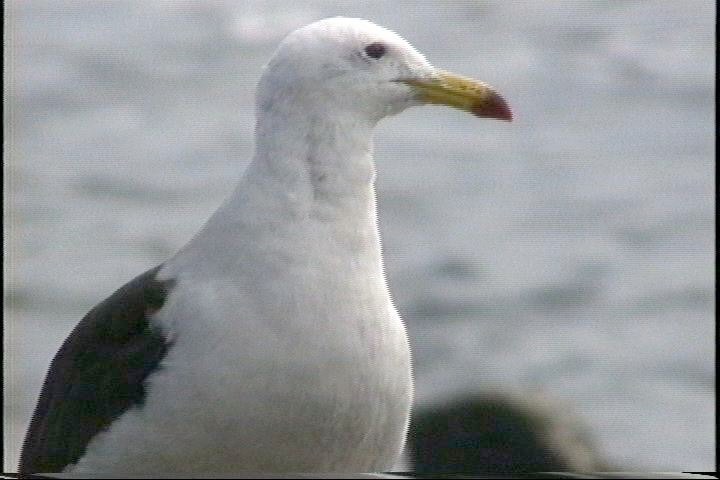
353	66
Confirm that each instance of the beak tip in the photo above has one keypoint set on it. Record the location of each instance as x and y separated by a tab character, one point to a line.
493	107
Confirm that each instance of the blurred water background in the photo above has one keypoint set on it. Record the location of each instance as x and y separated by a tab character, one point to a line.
568	255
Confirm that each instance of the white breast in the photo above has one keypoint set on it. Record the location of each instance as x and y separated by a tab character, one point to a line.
278	363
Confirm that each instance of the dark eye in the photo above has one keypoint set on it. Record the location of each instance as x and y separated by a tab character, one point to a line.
375	50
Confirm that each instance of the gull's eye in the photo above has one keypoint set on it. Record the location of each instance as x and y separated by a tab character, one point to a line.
375	50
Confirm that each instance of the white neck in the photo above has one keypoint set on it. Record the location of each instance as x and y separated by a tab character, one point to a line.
316	162
310	186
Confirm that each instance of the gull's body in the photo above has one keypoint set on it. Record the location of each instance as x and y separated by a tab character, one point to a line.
276	344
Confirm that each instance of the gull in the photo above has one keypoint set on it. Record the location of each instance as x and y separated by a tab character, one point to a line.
269	342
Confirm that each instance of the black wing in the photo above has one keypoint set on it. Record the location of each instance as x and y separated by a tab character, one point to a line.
97	374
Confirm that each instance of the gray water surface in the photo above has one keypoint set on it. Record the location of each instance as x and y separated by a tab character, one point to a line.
569	253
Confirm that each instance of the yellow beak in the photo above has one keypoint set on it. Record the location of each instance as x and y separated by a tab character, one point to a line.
464	93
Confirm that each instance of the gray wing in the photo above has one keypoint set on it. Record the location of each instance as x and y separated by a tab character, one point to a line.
98	373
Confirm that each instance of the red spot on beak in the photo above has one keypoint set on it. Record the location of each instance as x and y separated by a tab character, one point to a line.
494	107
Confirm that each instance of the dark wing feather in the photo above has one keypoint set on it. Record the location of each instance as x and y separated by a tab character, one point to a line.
97	374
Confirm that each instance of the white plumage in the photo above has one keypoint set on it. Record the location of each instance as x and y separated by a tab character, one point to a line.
288	353
271	340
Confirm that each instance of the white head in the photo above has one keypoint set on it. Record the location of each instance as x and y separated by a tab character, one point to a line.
354	66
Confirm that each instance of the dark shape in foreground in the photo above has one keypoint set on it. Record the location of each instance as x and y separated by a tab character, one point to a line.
498	434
